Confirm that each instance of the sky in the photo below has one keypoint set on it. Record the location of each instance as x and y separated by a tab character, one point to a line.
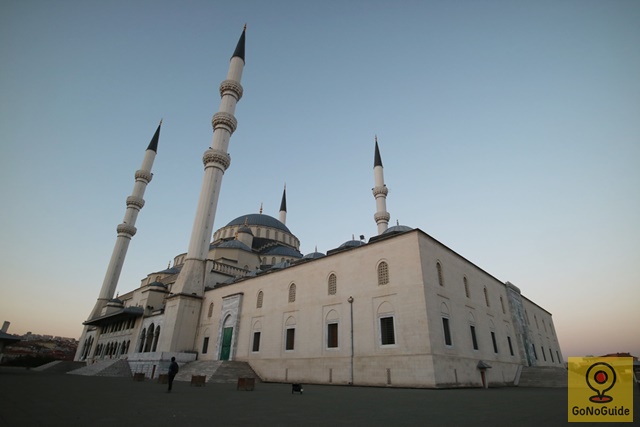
509	131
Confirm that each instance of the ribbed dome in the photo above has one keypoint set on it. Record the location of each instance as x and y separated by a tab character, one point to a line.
259	220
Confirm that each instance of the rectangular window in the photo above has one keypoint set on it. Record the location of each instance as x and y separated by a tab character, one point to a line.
256	341
533	346
551	354
473	337
544	356
332	335
387	333
557	354
447	332
291	336
510	346
205	345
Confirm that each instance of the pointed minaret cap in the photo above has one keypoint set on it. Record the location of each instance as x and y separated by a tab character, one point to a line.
239	52
283	204
153	145
377	161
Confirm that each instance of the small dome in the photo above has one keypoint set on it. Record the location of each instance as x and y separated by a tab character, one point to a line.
351	244
235	244
397	229
245	229
280	265
281	250
158	284
314	255
115	302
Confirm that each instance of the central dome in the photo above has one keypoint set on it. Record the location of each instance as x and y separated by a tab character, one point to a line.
259	219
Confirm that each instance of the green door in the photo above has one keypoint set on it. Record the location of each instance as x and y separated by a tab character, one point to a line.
227	335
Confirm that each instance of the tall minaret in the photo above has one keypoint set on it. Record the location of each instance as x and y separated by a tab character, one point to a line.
127	229
380	192
283	206
183	307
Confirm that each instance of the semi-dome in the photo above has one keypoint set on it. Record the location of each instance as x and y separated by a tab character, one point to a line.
235	244
259	220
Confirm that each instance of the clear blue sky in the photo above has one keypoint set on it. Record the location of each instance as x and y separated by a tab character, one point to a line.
509	131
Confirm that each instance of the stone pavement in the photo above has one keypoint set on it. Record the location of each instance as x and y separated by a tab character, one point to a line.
29	398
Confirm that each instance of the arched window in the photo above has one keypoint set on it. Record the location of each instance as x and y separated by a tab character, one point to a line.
333	284
273	260
440	278
259	301
292	292
383	273
486	296
155	338
143	335
210	313
149	340
466	286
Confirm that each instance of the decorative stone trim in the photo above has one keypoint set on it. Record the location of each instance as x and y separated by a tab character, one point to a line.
135	201
144	175
380	190
231	87
127	229
382	216
217	157
224	120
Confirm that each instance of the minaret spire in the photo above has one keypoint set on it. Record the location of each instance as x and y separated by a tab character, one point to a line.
283	206
184	304
380	192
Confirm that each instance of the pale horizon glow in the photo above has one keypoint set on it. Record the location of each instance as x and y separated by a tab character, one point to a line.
509	131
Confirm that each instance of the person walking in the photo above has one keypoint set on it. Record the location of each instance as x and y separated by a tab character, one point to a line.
173	371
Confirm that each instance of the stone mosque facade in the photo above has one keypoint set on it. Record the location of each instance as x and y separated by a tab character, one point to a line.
400	310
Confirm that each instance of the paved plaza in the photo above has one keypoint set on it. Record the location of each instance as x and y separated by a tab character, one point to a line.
29	398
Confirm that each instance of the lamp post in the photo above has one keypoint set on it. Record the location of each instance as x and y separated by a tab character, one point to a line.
350	300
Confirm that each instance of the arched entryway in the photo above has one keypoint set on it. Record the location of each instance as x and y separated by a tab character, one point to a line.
226	339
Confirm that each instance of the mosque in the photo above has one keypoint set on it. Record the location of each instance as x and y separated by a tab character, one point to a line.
401	309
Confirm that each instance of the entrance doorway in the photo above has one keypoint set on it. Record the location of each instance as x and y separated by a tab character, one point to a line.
227	338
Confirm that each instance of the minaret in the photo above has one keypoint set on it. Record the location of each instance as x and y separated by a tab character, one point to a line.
126	230
183	307
283	206
380	192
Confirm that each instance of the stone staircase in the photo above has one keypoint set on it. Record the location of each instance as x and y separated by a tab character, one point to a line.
60	366
217	371
105	368
538	376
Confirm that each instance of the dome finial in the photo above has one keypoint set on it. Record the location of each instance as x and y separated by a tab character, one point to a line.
260	208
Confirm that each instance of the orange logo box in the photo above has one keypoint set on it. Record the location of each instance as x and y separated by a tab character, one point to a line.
600	389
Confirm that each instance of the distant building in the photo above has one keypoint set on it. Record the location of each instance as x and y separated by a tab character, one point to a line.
402	309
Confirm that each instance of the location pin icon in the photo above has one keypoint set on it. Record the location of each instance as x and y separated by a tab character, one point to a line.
600	378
